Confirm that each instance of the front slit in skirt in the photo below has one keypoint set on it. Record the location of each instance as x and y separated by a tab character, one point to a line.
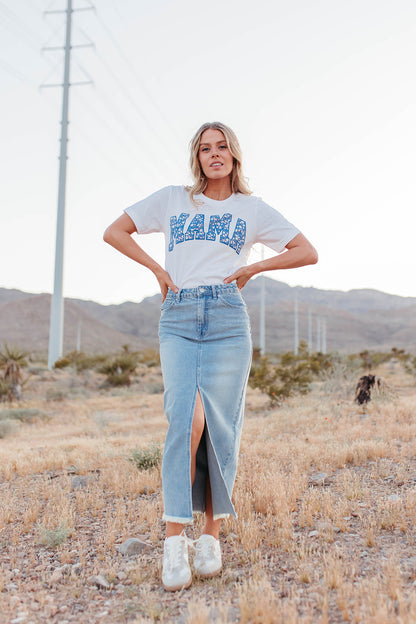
205	346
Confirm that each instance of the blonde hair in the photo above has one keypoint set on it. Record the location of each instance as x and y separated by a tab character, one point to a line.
238	181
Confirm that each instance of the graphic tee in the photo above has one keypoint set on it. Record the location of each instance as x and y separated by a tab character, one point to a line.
205	244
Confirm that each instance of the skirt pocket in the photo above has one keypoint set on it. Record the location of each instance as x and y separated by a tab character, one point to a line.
232	299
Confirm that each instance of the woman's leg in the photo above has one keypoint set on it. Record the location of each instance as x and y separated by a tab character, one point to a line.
198	423
212	527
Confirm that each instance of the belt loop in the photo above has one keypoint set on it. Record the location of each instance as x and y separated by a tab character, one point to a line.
178	296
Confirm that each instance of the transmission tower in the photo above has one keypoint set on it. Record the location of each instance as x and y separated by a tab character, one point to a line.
296	326
262	310
57	303
310	346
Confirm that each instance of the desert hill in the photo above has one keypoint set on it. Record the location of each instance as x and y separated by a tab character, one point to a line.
24	321
355	320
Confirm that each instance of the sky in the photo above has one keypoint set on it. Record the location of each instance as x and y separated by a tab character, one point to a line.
321	95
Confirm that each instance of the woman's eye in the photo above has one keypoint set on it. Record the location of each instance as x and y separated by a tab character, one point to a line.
204	149
223	147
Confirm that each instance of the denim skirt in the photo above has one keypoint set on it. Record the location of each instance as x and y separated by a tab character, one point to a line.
205	346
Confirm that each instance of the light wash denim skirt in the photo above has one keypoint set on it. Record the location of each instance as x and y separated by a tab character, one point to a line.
205	345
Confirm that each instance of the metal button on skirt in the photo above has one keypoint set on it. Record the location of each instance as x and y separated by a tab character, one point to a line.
205	346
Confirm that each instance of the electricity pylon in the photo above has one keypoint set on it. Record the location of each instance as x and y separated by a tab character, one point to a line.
57	304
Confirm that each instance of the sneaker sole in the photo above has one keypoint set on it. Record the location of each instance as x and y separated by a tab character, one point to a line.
209	574
177	587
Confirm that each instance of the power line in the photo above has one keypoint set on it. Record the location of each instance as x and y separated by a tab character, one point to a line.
104	155
22	32
16	73
134	72
129	97
33	39
128	128
104	122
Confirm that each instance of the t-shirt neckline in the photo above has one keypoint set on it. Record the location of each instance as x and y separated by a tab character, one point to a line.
216	202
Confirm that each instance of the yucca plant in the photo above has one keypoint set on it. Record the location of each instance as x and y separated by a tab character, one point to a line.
12	360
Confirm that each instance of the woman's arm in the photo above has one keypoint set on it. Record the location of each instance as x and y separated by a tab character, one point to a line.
118	235
299	253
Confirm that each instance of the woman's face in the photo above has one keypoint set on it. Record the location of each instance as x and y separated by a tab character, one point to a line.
215	157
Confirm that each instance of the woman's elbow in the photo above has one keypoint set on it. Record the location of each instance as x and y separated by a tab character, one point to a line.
313	257
108	235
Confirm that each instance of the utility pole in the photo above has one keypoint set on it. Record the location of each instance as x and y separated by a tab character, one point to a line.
318	334
310	346
296	319
57	304
262	311
79	337
324	336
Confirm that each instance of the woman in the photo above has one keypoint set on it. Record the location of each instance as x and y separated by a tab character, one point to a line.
204	332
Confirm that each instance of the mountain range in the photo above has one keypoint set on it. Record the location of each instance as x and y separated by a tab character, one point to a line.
355	320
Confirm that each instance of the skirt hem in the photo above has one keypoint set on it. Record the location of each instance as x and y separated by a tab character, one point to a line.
177	519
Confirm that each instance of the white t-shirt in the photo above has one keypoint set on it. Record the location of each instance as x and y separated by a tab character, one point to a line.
204	245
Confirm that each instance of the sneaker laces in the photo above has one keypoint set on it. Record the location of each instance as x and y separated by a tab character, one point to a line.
176	550
206	548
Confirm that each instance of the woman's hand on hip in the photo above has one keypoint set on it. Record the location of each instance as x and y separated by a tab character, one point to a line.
241	276
165	283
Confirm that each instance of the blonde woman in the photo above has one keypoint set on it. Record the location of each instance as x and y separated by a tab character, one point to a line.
204	332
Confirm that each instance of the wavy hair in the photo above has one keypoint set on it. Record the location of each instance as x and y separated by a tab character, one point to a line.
238	181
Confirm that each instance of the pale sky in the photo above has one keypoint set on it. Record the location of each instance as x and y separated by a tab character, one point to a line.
321	94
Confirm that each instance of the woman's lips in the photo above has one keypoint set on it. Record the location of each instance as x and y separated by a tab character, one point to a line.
216	164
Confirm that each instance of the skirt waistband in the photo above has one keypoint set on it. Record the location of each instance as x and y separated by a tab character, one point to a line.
210	292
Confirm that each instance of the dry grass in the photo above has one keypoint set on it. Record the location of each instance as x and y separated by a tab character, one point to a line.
338	548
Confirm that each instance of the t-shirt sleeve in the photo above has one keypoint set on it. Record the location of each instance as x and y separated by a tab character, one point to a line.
148	213
273	230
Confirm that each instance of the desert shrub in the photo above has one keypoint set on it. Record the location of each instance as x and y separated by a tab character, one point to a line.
7	427
148	457
410	365
27	415
122	378
63	362
80	361
341	379
372	359
150	357
290	374
320	364
53	537
280	381
120	368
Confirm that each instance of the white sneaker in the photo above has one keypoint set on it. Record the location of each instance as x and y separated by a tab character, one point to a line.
176	571
207	561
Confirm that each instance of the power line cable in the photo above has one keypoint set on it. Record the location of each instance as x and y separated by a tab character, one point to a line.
14	18
36	8
16	73
53	69
156	156
104	155
87	104
21	30
55	32
133	70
